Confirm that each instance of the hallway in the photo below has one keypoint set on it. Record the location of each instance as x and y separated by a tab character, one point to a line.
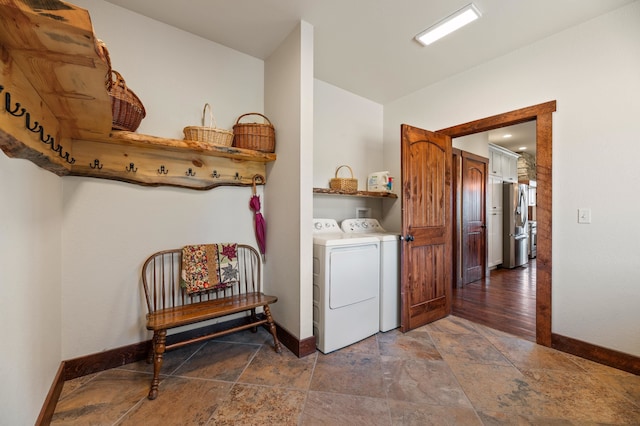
505	301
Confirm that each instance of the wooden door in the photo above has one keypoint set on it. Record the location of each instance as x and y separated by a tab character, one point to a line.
426	227
474	216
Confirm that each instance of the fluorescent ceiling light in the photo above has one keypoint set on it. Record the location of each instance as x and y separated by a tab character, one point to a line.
507	136
459	19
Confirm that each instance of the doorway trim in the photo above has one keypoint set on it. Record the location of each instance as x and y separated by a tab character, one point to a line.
542	114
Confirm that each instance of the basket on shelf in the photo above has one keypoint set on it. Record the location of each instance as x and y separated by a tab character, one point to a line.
256	136
126	108
211	134
344	184
103	53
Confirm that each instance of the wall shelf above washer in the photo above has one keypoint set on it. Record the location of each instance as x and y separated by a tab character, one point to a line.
369	194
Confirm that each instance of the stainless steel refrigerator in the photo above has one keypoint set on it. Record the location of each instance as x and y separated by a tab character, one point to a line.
515	233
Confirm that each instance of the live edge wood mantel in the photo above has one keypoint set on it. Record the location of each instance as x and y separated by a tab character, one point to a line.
55	110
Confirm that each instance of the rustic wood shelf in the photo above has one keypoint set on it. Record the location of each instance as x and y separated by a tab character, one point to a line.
57	112
370	194
149	160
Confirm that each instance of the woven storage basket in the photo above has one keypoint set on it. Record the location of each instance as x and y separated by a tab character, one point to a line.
211	134
256	136
344	184
103	53
126	108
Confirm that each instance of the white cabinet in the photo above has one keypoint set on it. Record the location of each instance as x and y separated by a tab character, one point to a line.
494	195
503	163
495	238
494	220
510	167
495	162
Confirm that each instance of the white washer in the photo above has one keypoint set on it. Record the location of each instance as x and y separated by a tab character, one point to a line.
346	286
389	267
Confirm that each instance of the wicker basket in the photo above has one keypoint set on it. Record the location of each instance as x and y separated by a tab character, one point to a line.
256	136
103	53
344	184
211	134
126	108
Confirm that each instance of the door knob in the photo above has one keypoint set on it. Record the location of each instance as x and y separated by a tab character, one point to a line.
408	237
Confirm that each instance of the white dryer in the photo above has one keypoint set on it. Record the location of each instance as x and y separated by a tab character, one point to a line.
346	286
389	267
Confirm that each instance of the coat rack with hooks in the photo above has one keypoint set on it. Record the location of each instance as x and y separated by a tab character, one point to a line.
185	168
33	126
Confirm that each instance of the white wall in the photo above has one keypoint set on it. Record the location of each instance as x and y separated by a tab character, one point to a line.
109	228
592	70
477	143
175	73
289	103
347	130
30	273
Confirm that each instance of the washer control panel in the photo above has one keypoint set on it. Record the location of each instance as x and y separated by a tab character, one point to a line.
326	226
361	225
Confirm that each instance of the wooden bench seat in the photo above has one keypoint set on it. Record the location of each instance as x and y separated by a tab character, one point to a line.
169	306
202	311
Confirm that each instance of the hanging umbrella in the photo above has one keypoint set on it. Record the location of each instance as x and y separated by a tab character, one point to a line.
254	204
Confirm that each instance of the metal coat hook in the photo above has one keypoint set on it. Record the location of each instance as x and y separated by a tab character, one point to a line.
131	168
36	127
190	172
96	164
27	122
7	106
65	157
49	139
255	179
162	170
215	174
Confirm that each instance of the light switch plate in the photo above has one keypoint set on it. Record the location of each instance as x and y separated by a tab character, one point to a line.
584	215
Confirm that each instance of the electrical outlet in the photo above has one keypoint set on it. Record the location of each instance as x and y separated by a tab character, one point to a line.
584	215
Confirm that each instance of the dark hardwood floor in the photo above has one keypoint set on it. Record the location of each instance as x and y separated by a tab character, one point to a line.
506	301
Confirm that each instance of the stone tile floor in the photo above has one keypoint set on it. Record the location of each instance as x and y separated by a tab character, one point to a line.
450	372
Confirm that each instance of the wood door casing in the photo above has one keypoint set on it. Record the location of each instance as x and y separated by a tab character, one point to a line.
456	217
474	217
426	226
542	114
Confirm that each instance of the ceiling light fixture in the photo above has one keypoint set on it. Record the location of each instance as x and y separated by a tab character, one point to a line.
507	136
523	148
457	20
